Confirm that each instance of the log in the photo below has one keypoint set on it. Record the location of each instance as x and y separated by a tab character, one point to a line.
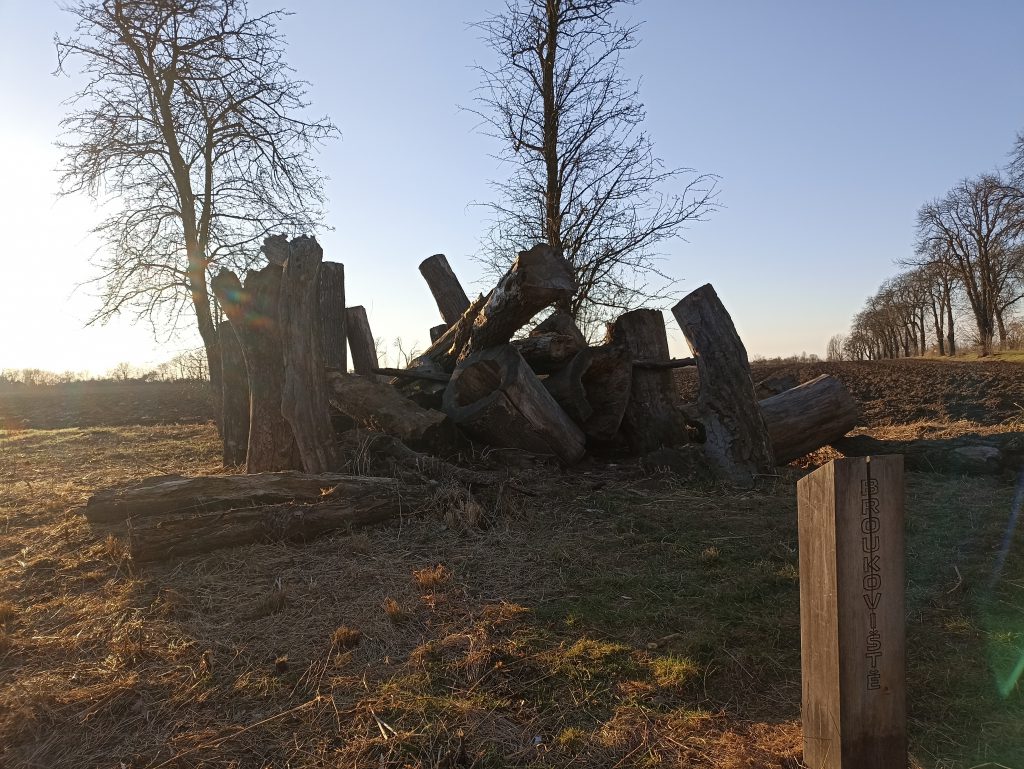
175	495
773	385
538	278
360	340
671	363
332	315
406	373
275	248
235	396
495	398
608	382
964	455
737	441
436	332
443	354
352	503
253	312
652	418
379	407
304	396
566	387
805	418
560	322
547	353
444	285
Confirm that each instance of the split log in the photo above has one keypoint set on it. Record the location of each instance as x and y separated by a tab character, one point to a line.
566	387
304	396
352	503
560	322
253	312
444	285
170	495
547	353
652	418
235	396
737	441
608	382
495	398
805	418
332	315
379	407
538	278
360	340
964	455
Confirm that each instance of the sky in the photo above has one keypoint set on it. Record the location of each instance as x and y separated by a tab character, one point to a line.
828	123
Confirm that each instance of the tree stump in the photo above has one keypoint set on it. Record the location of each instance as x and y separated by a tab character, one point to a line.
737	442
444	285
235	398
361	341
332	315
495	398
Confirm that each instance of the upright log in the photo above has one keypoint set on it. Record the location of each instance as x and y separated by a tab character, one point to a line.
235	396
444	285
566	387
497	399
802	419
253	312
608	382
304	396
332	315
652	418
737	442
360	340
852	623
538	278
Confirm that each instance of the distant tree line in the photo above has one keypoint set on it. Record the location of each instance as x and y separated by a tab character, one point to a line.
186	366
968	265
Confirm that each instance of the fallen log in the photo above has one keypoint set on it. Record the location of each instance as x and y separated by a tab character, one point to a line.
547	353
560	322
444	285
352	502
379	407
360	340
408	373
235	396
773	385
495	398
304	395
804	418
964	455
566	387
252	309
537	278
736	439
672	363
332	315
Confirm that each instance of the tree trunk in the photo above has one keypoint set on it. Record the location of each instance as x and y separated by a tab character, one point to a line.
495	398
808	417
963	455
652	418
304	395
332	315
566	387
361	341
253	312
537	278
444	285
547	353
235	396
737	442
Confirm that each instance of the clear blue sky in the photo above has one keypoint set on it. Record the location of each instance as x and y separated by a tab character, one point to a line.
829	123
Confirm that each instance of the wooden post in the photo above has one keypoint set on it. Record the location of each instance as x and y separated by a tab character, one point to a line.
444	285
851	614
332	315
235	399
361	341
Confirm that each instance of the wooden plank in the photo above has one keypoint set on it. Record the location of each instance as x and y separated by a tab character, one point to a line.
852	627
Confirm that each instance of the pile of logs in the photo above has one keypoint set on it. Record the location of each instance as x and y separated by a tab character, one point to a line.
487	379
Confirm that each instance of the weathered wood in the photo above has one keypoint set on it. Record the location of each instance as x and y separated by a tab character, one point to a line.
608	382
275	248
964	455
805	418
538	278
167	495
436	332
566	387
672	363
304	395
773	385
652	418
443	354
497	399
360	340
407	373
851	615
253	312
332	315
379	407
444	285
560	322
547	353
235	396
737	441
351	503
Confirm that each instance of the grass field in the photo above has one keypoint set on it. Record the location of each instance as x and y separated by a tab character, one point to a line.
610	620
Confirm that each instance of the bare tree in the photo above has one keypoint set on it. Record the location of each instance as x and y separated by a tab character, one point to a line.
836	348
584	175
190	125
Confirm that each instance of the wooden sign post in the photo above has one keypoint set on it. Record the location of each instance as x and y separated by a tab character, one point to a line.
852	625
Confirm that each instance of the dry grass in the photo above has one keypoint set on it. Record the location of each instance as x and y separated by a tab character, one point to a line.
641	624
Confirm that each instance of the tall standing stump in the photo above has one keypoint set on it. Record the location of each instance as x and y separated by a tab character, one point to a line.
851	614
332	315
360	341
